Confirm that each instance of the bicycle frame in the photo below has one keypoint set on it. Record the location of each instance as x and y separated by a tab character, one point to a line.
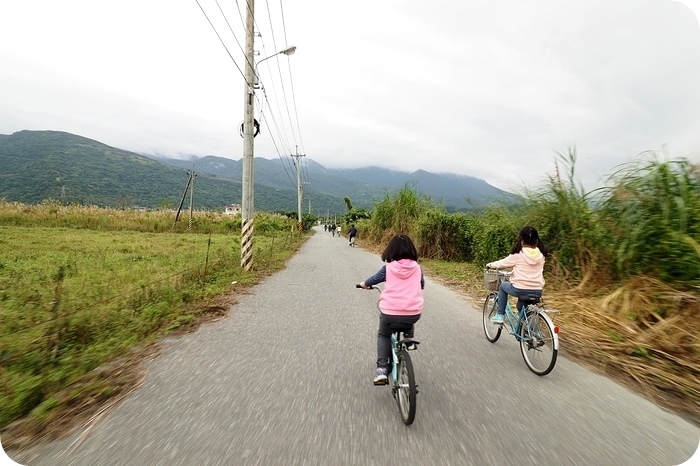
394	356
516	322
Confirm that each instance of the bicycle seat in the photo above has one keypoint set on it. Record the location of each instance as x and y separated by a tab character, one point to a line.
527	301
410	343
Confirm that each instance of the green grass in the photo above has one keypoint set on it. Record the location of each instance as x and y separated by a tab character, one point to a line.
74	297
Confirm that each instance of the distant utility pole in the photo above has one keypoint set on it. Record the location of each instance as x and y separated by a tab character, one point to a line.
248	135
192	177
297	156
190	182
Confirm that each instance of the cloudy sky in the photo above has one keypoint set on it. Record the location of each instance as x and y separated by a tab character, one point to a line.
492	89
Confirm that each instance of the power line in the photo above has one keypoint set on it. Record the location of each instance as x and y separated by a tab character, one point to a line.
291	81
230	28
275	124
220	39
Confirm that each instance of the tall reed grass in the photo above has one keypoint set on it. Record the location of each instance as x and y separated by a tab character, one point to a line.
624	267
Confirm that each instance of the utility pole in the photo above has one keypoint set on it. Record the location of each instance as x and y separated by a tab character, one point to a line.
191	196
190	182
247	213
297	156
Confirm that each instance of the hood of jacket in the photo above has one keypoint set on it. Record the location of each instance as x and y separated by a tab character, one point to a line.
404	268
531	256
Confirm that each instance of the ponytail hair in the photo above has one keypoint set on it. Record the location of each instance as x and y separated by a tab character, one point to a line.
530	237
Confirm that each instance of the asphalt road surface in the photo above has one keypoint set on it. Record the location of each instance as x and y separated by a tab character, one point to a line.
286	379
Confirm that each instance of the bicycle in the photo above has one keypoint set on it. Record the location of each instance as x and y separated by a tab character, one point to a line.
352	241
401	375
532	327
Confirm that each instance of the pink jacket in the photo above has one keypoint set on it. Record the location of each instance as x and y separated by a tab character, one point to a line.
527	268
402	294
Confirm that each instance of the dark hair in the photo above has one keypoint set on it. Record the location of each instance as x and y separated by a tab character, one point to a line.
400	247
530	237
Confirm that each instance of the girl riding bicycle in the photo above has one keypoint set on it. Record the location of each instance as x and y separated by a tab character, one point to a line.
527	260
401	300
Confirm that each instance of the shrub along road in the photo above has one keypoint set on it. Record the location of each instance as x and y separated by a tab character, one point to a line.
287	379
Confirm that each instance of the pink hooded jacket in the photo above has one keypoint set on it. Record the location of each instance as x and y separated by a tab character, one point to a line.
402	294
527	268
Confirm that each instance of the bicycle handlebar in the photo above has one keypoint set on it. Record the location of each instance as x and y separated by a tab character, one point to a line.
370	287
501	271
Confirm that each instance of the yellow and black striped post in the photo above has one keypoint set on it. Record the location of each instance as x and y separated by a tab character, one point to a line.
247	204
246	244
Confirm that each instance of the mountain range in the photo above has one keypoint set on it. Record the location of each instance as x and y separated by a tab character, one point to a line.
39	165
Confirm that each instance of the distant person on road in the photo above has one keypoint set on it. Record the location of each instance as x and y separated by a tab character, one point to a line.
401	301
527	280
351	234
339	229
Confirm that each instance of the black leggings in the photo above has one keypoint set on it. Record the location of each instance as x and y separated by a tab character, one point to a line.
387	323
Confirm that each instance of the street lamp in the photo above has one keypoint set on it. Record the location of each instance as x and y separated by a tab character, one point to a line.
251	83
288	51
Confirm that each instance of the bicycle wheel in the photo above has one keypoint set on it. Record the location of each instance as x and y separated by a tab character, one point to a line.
537	343
491	330
406	388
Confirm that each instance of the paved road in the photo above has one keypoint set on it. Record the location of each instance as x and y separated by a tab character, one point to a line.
286	379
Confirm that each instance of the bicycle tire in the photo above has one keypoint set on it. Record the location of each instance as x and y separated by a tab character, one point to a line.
406	388
491	330
537	343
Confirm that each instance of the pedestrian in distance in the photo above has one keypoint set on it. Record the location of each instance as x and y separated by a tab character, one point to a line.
401	301
351	234
527	260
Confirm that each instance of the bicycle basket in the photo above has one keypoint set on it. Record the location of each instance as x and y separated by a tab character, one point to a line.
492	280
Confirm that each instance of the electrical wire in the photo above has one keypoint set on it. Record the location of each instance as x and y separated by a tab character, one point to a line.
274	119
220	39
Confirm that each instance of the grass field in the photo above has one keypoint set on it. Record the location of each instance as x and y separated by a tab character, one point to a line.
73	299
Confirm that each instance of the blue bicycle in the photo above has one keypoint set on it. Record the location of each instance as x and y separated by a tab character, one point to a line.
401	376
532	327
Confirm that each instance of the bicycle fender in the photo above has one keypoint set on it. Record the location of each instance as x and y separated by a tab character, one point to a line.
551	324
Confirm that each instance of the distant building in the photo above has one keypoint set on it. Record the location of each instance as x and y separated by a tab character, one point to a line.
233	209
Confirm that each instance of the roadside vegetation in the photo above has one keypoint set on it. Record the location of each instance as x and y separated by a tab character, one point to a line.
86	293
84	287
624	270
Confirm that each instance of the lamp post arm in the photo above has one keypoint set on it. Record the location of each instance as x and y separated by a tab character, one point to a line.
287	51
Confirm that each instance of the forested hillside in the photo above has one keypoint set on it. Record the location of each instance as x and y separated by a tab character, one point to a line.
39	165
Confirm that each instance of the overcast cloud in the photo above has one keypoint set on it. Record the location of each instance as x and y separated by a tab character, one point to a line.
488	89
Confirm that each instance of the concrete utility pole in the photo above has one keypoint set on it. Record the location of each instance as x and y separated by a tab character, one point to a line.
297	156
248	128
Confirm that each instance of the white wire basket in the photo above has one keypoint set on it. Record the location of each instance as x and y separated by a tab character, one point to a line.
493	279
